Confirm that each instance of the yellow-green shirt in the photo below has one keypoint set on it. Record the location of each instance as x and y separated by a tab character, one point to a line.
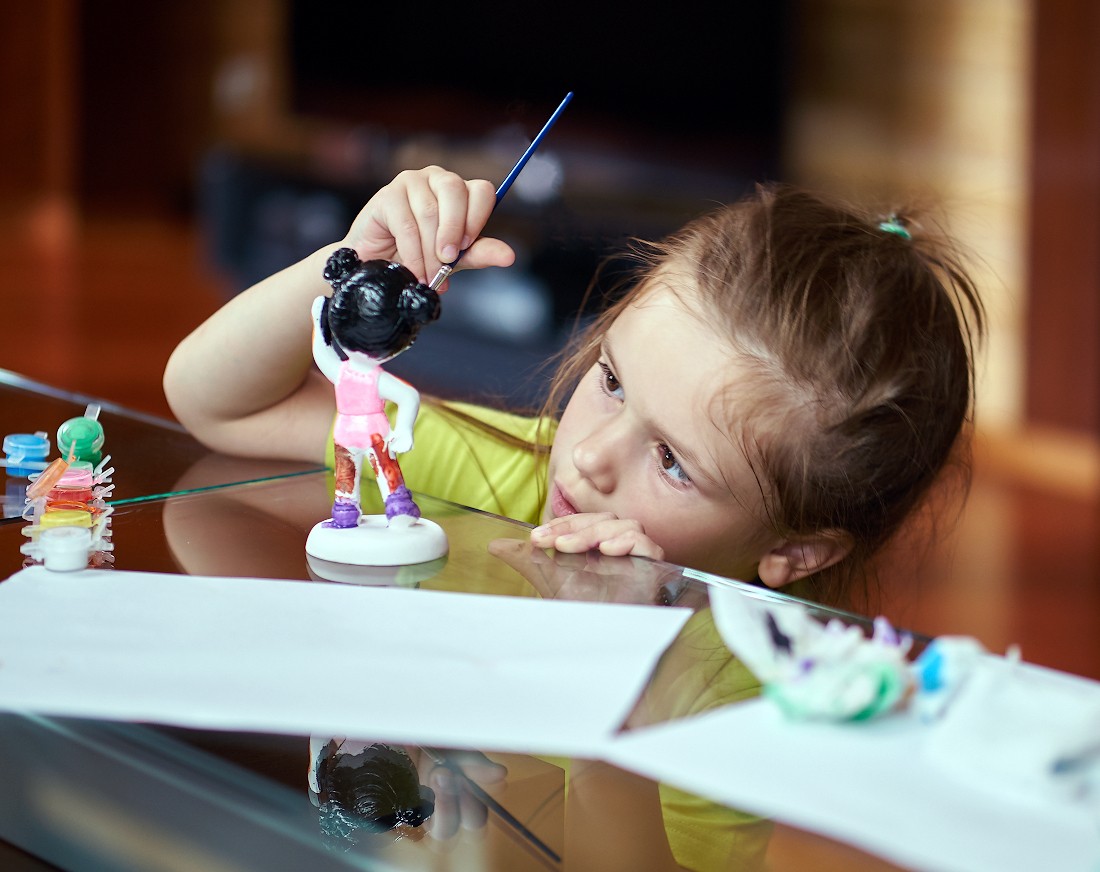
455	459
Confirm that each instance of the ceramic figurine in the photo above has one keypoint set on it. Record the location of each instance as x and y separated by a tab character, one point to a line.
375	312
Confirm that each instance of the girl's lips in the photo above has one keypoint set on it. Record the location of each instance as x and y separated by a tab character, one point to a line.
560	505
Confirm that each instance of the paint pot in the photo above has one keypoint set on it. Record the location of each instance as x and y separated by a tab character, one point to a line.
81	439
20	448
74	486
52	519
65	549
15	498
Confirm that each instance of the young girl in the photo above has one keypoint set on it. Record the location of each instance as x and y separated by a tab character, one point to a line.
770	399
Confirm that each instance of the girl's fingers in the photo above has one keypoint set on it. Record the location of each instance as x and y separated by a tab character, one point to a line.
474	813
451	196
487	251
464	207
449	214
424	218
587	539
481	202
400	222
546	534
415	235
633	543
603	532
384	226
445	820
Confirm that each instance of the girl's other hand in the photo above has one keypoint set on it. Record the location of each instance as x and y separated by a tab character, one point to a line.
597	531
423	218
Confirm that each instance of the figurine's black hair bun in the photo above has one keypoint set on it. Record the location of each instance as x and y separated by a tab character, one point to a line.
341	263
419	303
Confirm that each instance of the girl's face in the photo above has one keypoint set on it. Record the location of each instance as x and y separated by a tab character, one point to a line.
645	437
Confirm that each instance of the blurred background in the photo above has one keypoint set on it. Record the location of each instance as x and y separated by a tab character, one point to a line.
157	158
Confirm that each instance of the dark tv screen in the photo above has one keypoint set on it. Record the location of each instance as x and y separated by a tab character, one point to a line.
677	83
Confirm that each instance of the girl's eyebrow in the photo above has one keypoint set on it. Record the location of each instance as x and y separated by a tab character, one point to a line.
687	458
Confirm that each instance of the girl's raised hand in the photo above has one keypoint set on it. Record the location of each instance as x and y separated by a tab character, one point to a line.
596	531
423	218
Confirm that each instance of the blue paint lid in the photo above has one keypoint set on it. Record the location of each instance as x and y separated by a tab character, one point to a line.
31	449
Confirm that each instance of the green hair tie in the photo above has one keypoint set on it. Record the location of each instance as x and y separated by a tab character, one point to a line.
895	227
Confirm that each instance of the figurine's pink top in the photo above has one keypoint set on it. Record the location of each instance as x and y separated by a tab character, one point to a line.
360	410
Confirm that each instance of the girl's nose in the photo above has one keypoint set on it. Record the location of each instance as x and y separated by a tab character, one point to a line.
597	457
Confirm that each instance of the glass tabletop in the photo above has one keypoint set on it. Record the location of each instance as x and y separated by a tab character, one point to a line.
150	455
94	794
265	787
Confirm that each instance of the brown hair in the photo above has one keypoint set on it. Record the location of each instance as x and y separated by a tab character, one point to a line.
863	334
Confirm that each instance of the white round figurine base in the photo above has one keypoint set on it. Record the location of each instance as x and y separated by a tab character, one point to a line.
408	575
374	543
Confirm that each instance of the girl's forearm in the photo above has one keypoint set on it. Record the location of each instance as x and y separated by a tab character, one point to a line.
250	355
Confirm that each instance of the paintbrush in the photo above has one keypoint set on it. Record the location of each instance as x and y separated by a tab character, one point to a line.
448	268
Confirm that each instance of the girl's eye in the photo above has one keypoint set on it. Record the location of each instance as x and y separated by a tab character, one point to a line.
671	466
608	382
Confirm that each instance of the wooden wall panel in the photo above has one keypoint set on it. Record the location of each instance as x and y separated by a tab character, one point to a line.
1063	323
146	83
36	135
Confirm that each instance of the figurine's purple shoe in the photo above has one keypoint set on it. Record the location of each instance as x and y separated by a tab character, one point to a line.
400	506
345	513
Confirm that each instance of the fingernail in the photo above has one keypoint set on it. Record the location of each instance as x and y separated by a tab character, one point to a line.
467	242
540	531
449	253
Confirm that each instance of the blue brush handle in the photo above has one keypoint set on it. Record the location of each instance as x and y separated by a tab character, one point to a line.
448	268
522	162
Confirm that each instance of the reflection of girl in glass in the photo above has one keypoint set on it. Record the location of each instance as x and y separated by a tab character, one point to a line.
375	312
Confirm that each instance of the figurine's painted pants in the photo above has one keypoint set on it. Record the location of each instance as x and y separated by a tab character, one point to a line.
349	464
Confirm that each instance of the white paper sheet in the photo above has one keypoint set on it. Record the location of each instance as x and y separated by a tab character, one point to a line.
444	669
870	784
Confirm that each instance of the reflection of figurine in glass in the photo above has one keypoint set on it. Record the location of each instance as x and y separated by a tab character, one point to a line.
371	787
375	312
366	787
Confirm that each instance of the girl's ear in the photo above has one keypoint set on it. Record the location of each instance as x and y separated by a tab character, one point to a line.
795	559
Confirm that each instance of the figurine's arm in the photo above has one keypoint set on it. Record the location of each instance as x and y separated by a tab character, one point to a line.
407	399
